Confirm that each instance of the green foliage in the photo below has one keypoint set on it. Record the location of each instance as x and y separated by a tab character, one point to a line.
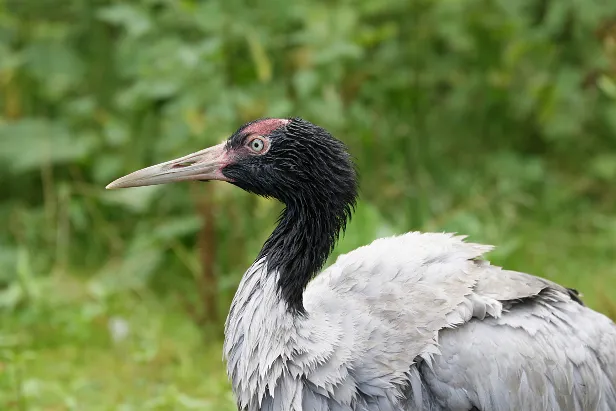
492	118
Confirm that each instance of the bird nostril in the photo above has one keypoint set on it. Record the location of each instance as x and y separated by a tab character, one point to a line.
184	164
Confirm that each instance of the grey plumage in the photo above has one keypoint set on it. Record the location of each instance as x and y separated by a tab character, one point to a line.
419	322
413	322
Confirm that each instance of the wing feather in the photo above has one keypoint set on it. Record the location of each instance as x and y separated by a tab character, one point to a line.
424	316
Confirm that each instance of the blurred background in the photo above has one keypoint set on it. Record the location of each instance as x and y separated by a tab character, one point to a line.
492	118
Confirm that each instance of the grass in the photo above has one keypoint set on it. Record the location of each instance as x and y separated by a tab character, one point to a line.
132	353
70	347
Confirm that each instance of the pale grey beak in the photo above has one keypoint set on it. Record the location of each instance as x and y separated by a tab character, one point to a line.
203	165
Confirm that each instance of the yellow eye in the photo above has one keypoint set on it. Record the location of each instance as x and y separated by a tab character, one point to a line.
257	144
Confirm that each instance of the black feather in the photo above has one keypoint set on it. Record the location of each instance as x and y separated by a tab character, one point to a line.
575	295
314	176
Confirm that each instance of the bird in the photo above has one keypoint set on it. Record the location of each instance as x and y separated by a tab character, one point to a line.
415	321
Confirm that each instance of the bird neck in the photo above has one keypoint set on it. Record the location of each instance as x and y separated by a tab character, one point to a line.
253	345
300	245
267	321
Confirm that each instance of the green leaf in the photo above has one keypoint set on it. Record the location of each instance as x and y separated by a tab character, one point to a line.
132	18
137	200
608	86
57	67
603	166
32	143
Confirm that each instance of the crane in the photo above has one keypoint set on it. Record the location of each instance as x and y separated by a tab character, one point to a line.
419	321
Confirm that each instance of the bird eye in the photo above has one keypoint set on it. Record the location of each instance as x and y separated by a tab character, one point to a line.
257	145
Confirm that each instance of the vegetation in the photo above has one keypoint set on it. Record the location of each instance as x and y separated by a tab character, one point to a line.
492	118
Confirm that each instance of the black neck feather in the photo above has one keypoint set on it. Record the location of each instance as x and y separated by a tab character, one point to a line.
300	245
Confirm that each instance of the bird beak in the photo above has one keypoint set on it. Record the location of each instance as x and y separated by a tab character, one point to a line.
203	165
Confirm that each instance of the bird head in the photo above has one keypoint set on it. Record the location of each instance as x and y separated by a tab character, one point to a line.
291	160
